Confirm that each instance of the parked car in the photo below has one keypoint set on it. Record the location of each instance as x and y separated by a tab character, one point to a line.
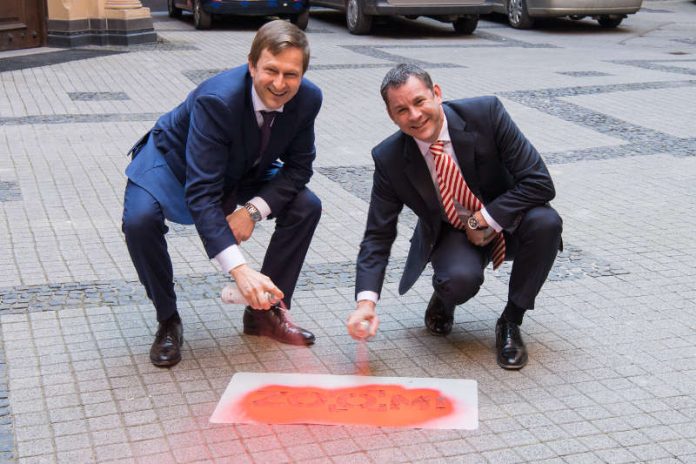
463	14
204	10
608	13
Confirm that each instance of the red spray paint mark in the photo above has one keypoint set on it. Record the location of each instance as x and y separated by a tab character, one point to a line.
376	405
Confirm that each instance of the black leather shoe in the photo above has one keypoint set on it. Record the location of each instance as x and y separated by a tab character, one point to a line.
165	350
512	354
439	317
274	324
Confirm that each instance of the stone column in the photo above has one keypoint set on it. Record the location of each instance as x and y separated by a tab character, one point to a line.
126	7
128	22
74	23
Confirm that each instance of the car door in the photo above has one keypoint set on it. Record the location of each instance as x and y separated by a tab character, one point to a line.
336	4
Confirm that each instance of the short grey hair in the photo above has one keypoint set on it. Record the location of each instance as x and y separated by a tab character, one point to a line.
398	75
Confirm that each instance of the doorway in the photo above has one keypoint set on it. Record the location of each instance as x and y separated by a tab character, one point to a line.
22	24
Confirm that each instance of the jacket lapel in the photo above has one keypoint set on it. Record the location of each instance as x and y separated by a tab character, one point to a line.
418	174
464	143
252	132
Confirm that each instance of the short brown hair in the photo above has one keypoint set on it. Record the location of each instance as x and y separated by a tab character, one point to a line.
276	36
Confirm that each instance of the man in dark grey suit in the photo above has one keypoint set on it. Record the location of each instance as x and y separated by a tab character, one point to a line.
243	137
480	191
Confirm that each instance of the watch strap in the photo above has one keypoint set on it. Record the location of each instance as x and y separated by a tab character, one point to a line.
253	212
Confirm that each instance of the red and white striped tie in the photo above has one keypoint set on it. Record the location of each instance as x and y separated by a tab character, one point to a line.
452	186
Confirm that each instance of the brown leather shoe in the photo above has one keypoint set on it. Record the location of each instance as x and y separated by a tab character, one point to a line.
511	352
439	318
274	324
166	349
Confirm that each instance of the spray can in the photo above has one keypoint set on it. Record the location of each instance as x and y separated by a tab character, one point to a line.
230	294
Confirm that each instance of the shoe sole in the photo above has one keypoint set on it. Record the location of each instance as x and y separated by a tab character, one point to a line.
166	363
257	333
510	368
438	334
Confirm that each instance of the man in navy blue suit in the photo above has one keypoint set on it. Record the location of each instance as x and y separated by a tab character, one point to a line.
243	137
481	193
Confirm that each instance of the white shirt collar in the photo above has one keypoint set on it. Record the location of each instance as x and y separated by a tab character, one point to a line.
258	104
424	147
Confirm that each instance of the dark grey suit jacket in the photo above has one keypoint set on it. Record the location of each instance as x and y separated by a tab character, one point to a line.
500	166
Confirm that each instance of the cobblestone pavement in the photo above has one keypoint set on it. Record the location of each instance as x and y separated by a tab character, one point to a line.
612	373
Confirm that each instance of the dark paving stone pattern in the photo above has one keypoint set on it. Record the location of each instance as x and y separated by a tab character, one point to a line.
78	118
9	191
571	264
639	140
199	75
50	58
670	66
584	74
162	45
98	96
378	52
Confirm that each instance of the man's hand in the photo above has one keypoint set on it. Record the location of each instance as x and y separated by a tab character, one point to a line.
481	236
259	291
363	322
241	224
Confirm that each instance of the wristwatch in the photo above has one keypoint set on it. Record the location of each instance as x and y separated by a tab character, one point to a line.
253	212
472	222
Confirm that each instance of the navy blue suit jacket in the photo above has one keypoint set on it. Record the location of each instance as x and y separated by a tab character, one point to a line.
211	141
500	166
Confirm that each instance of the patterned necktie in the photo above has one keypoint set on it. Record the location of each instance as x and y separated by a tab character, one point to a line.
268	117
453	187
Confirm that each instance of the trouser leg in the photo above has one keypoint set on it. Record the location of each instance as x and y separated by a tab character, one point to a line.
144	228
457	267
286	252
535	246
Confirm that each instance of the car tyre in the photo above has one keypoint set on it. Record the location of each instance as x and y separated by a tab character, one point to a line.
357	21
301	20
465	25
173	11
609	22
518	16
201	19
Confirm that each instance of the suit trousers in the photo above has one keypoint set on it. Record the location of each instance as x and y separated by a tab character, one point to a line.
458	265
144	228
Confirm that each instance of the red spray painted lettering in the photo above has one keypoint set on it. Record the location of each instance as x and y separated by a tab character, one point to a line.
376	405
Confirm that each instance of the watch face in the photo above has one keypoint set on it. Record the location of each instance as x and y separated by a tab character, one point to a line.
472	222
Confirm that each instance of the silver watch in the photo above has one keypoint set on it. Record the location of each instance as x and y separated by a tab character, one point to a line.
472	222
253	212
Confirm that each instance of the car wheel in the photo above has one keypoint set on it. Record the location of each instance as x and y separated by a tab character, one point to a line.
465	24
201	19
356	19
518	16
173	11
609	22
301	20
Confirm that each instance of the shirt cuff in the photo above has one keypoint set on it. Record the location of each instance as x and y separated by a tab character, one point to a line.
368	295
262	206
229	258
491	222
